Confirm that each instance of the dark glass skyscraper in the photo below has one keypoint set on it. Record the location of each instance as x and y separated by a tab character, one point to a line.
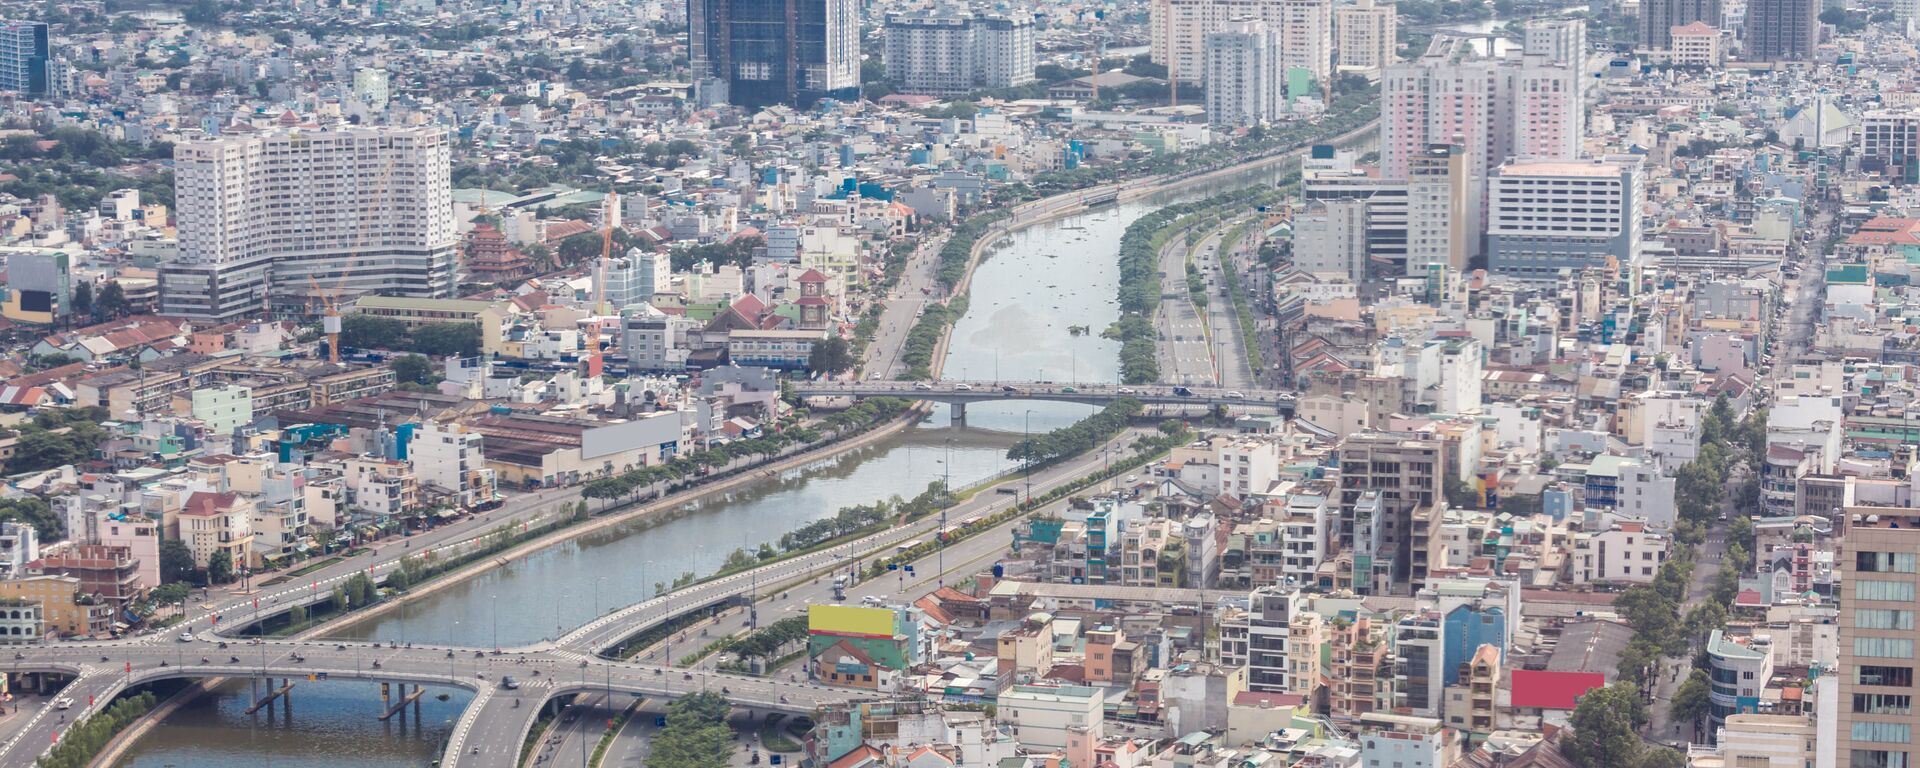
776	51
1782	30
23	56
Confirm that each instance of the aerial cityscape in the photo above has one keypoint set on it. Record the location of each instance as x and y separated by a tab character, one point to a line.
959	383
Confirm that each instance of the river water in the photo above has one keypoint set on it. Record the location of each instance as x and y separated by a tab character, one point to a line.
1025	300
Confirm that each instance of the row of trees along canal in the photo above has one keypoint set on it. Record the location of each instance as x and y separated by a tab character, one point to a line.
1353	106
1140	268
684	471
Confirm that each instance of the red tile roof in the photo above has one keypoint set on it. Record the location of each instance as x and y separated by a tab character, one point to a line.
204	504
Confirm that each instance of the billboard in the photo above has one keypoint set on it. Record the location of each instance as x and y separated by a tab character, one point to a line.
850	621
648	431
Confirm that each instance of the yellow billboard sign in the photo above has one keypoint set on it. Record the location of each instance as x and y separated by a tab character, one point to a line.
850	620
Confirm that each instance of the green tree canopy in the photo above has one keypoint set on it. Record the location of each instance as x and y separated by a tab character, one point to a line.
831	356
1605	725
220	567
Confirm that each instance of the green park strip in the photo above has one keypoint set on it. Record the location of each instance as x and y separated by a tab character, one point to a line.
613	732
81	743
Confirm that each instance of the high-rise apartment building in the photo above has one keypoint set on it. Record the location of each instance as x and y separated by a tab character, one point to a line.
1306	38
1179	30
1244	81
1548	216
24	57
766	52
273	215
1365	35
945	51
1659	17
1879	559
1561	40
1401	478
1782	30
1890	144
1442	208
1523	105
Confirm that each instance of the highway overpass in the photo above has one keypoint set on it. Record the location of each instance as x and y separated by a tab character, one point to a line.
489	732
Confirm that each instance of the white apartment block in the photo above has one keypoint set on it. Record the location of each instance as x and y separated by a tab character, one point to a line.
947	51
269	216
635	278
1624	553
1366	35
1330	238
1179	30
1890	143
1003	51
1549	216
1245	82
1561	40
1303	535
1248	466
1696	45
1041	717
448	457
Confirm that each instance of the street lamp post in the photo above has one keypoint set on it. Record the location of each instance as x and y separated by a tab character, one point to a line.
1026	430
493	612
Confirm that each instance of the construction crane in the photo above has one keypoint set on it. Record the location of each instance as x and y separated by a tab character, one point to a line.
329	320
592	361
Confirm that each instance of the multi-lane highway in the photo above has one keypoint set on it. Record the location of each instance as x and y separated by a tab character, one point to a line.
1186	357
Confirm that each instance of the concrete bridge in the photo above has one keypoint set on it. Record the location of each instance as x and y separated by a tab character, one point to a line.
958	394
489	732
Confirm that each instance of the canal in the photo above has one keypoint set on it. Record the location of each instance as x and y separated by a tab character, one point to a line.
331	724
1036	310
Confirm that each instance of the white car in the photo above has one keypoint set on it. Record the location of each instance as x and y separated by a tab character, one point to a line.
922	385
963	387
1125	390
63	703
875	376
1235	394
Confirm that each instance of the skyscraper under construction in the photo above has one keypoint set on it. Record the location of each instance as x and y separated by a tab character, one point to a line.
759	52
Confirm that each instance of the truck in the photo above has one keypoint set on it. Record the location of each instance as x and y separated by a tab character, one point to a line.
840	587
